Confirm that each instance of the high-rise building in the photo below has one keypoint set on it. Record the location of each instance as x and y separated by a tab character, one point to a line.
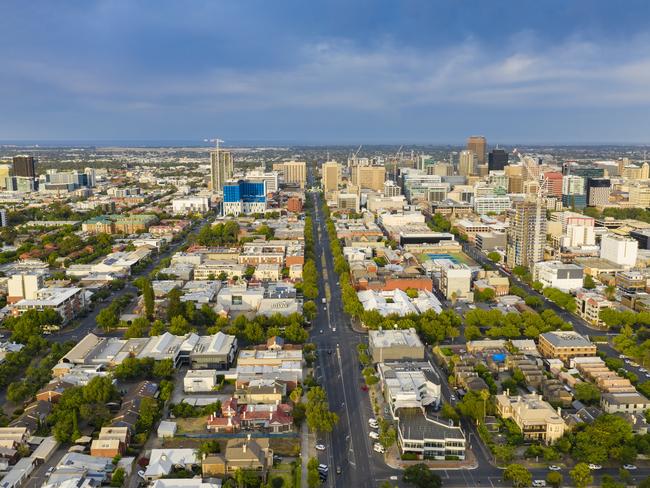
391	189
497	160
478	145
5	172
244	197
440	169
619	249
331	176
639	195
295	173
369	177
554	179
574	191
271	178
24	166
598	191
525	237
515	176
221	169
467	163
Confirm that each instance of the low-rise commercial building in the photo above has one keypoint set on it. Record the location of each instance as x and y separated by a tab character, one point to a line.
428	437
556	274
408	384
396	345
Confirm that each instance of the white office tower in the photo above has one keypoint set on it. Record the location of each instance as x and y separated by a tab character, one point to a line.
618	249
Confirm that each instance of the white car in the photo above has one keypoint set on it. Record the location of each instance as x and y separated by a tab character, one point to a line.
553	467
377	447
539	483
320	447
373	435
333	329
643	370
629	467
323	468
141	474
595	467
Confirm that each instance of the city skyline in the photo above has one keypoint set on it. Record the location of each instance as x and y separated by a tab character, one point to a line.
363	72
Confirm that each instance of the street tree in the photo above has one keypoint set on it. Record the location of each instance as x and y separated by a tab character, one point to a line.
581	475
554	478
518	475
421	476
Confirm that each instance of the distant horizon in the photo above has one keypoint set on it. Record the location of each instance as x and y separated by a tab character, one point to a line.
188	143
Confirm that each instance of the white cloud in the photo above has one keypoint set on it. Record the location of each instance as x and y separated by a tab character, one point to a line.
338	74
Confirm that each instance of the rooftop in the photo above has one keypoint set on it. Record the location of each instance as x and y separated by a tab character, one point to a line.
566	339
395	338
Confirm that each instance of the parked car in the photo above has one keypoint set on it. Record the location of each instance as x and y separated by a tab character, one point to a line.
539	483
320	447
595	467
373	435
629	467
377	447
364	388
553	467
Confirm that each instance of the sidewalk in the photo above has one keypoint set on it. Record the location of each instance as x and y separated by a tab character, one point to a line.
304	453
392	459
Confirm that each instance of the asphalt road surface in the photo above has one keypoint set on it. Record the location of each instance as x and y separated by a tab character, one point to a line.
339	372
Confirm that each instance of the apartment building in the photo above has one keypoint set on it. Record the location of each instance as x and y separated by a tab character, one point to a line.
589	305
536	418
565	345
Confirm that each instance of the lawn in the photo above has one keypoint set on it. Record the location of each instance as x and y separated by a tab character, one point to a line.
285	446
191	425
283	471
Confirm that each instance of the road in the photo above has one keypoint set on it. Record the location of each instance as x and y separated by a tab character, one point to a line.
339	372
87	324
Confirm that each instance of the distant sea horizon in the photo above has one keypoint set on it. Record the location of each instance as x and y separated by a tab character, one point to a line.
193	143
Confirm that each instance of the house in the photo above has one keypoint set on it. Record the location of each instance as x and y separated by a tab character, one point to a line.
273	418
166	429
33	416
11	437
250	454
53	391
163	461
106	448
200	380
626	402
261	391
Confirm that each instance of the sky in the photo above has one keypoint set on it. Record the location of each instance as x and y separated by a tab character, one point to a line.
335	71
